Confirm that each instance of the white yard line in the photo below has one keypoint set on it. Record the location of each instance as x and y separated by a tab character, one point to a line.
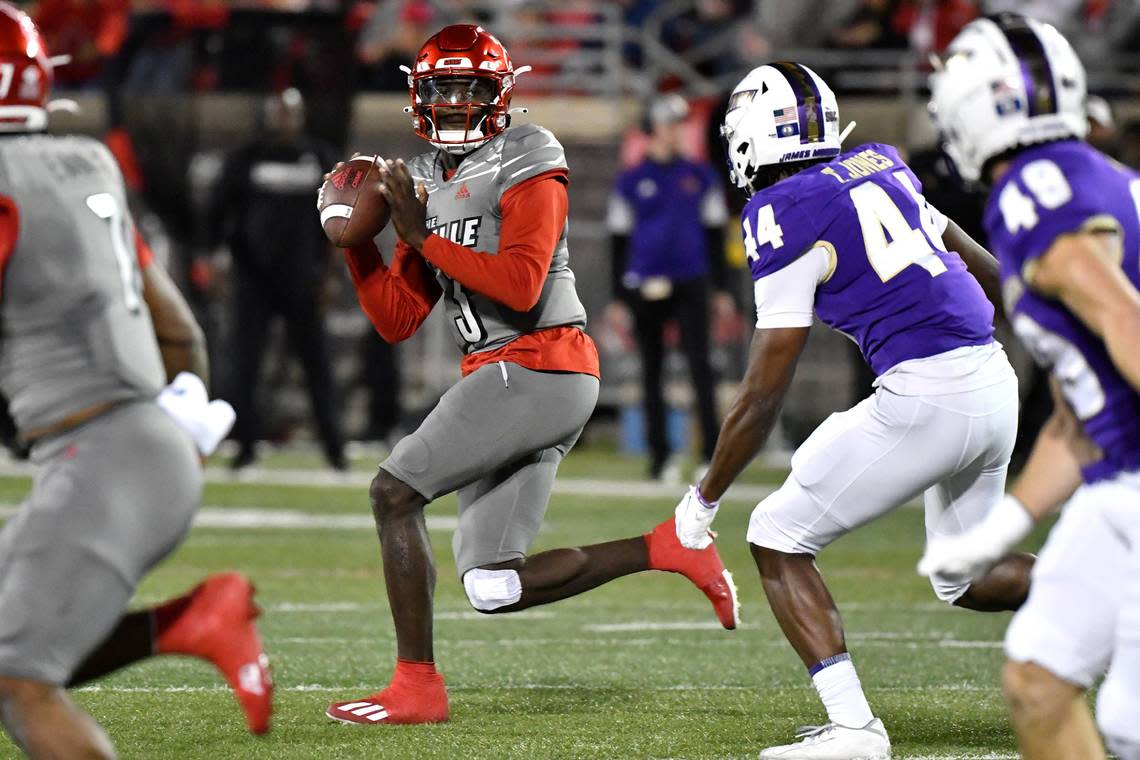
499	686
864	639
241	518
628	489
649	625
956	644
624	643
319	607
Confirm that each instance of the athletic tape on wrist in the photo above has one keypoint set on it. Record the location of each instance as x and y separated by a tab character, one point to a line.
703	501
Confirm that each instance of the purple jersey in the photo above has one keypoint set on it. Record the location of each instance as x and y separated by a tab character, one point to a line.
667	203
893	289
1051	190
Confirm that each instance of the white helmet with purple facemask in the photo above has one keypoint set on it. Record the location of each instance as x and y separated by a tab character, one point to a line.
1006	81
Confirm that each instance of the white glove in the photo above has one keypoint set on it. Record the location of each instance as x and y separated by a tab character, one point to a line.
970	555
694	518
206	422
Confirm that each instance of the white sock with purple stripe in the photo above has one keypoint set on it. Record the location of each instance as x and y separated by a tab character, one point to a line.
840	691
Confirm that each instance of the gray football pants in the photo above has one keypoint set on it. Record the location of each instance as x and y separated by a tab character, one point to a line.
497	436
111	498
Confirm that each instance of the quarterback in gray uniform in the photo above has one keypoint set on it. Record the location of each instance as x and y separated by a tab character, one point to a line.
482	226
92	331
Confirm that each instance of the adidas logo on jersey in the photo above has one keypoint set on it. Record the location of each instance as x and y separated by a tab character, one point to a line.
463	193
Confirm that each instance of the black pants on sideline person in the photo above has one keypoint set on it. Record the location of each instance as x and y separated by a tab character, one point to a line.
689	305
380	375
256	303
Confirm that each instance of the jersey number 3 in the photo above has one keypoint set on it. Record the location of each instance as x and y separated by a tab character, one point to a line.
468	324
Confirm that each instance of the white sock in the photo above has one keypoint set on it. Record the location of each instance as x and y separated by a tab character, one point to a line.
842	694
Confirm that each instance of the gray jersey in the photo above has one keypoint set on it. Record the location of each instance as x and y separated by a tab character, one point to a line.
74	330
465	209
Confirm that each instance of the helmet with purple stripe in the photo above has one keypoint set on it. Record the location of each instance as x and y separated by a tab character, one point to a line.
780	113
1006	81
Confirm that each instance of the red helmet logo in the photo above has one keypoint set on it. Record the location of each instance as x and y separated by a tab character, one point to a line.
25	72
461	85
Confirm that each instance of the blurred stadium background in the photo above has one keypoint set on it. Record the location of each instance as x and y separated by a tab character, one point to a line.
174	85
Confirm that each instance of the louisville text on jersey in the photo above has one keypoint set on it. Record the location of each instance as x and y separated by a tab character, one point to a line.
464	232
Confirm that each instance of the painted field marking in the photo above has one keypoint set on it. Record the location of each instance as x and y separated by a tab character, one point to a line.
629	489
621	489
865	639
621	643
241	518
649	625
97	688
306	607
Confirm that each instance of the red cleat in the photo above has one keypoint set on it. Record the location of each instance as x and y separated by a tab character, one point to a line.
701	566
417	694
215	622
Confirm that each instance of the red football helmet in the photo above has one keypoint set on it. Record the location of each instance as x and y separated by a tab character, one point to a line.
461	85
25	73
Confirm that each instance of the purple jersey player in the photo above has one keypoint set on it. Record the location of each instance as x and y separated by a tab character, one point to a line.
1062	217
848	237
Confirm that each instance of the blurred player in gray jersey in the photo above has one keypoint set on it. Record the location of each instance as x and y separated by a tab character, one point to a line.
92	330
482	227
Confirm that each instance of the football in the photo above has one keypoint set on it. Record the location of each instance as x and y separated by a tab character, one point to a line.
352	208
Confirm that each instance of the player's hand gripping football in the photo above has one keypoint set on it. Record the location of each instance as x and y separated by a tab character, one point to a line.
693	518
407	202
970	555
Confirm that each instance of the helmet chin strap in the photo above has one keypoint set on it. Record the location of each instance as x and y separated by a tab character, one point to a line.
456	140
846	131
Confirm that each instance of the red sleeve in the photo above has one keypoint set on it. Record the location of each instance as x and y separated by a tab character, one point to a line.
143	251
396	299
534	215
9	231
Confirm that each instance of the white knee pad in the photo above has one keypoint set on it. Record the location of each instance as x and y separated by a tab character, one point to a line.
489	590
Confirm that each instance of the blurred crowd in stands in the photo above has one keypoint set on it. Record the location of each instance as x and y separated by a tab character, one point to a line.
329	50
200	45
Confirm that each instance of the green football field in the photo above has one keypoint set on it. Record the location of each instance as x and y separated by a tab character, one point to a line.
636	669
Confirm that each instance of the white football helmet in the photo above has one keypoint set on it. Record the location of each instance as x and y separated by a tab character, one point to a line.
780	113
1006	81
